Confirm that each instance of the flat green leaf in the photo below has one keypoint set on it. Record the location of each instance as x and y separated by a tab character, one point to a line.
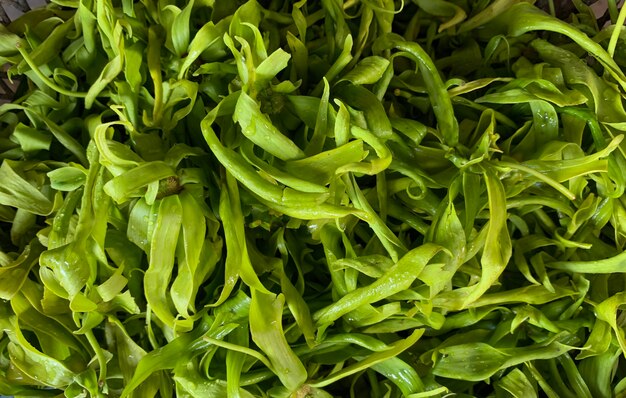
396	279
368	71
17	192
67	178
162	250
265	327
259	129
180	29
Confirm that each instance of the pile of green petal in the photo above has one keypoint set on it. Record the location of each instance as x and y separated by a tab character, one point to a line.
360	198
